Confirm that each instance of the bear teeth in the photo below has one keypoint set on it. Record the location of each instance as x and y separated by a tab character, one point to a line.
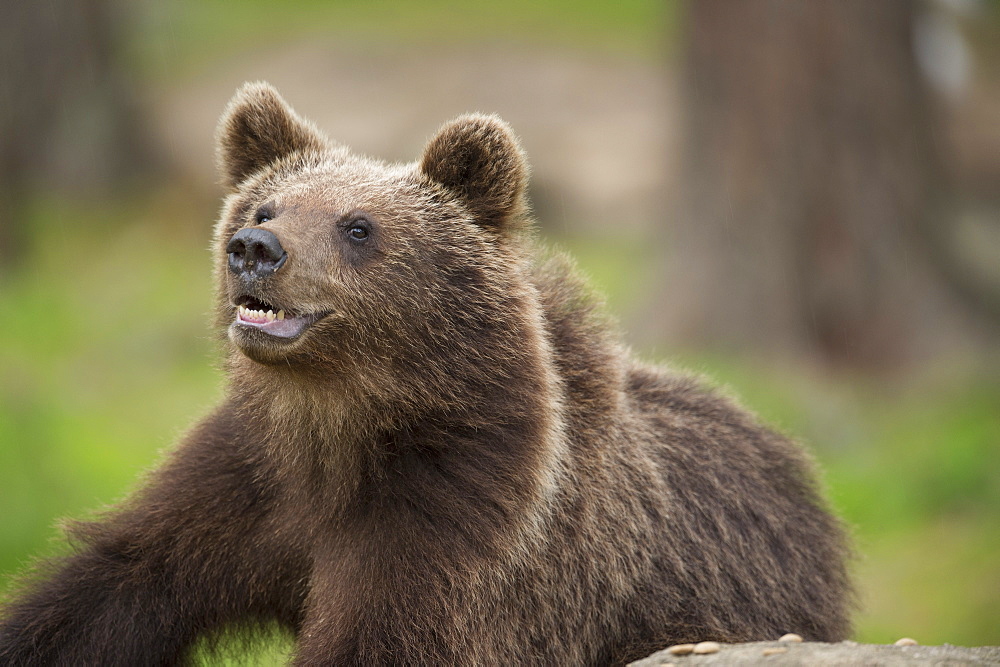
260	315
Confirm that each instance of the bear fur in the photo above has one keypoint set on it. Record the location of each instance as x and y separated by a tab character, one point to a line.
444	455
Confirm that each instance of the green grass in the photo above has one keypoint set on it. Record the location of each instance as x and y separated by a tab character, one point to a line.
106	362
110	357
179	36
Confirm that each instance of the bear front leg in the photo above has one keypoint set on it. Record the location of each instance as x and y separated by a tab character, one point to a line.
193	552
364	610
382	594
95	609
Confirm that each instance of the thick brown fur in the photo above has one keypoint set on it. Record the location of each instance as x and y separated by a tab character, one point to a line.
458	463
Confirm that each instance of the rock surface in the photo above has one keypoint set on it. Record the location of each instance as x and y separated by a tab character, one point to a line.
816	653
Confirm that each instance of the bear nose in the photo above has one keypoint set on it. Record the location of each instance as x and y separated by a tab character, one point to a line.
255	252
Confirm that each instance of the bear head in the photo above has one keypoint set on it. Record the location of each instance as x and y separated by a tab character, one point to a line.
334	262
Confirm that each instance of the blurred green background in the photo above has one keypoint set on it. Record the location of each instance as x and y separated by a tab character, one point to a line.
799	200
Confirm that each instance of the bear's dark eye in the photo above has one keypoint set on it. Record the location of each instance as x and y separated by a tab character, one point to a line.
264	213
357	232
356	227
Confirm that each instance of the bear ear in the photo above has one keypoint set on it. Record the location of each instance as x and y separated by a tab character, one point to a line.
257	129
479	158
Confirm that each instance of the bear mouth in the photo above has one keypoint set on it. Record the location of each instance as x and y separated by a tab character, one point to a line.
273	320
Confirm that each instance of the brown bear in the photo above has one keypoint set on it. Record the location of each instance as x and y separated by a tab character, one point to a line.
433	449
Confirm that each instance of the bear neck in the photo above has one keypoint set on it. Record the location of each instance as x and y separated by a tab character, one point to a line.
338	434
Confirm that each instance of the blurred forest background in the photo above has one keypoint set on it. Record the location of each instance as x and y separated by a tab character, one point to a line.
800	199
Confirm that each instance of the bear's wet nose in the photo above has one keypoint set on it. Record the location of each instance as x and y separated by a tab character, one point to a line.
255	253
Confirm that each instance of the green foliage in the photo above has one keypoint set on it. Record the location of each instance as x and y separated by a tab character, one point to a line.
179	35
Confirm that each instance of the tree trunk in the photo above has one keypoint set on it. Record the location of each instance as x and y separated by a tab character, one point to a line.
68	115
808	169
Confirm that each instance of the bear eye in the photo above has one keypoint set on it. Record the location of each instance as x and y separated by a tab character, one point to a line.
264	213
358	232
357	227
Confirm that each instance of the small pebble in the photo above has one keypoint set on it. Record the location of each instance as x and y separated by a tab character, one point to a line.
790	637
702	648
667	664
775	651
906	641
681	649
